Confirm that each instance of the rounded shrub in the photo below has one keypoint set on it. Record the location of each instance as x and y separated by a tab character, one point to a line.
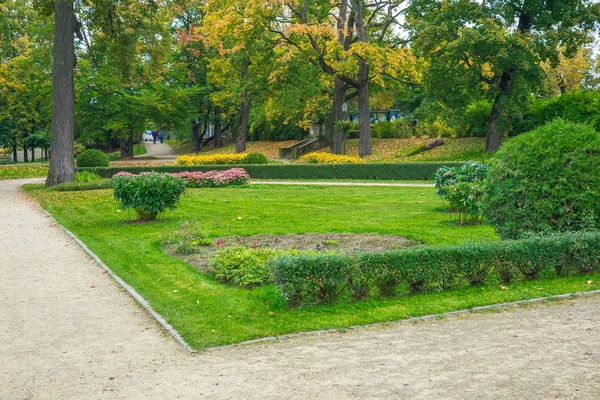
255	158
546	180
148	194
92	158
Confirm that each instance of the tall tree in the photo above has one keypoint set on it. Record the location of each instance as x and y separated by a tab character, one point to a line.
62	163
353	41
494	49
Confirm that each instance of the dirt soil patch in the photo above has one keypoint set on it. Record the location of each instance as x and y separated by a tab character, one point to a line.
344	243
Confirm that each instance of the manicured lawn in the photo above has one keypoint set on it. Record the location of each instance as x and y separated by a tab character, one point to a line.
23	171
207	313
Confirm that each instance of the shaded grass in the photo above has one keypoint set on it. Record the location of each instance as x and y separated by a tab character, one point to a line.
23	171
207	313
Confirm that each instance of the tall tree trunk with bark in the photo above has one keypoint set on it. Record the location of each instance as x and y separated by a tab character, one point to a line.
33	154
196	135
337	134
15	154
62	159
242	133
126	146
218	131
493	137
25	154
364	113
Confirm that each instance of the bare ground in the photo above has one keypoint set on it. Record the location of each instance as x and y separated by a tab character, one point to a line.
344	243
68	332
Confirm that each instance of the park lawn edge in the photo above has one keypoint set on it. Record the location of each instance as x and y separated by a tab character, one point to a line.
320	318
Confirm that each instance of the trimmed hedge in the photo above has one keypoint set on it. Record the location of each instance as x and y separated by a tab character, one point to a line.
322	279
80	186
388	171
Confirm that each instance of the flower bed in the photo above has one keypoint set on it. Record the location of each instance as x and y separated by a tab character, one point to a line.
230	177
198	179
328	158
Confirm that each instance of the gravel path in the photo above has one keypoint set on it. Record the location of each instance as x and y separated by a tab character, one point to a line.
68	332
159	150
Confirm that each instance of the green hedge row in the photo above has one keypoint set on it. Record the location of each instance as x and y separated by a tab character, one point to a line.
79	186
323	278
387	171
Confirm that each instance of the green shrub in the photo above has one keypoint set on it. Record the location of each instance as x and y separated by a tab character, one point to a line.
310	279
316	279
396	129
545	180
78	148
92	158
81	186
255	158
476	118
6	161
388	171
148	194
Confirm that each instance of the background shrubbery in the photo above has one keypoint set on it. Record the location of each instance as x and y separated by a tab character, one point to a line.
545	180
92	158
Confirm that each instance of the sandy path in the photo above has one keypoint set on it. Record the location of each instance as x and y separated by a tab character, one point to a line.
68	332
159	150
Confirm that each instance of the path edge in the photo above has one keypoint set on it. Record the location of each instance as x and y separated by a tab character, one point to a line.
132	292
173	332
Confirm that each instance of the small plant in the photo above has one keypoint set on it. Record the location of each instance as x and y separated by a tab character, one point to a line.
462	187
86	177
245	266
331	243
188	238
148	194
92	158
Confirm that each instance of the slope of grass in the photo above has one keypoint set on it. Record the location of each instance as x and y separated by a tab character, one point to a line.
399	150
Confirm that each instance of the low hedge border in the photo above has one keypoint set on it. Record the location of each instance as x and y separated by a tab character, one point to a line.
322	279
384	171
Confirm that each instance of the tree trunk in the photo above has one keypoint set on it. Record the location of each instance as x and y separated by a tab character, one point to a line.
126	145
337	134
218	132
242	134
33	154
364	114
62	160
493	136
196	135
25	154
15	155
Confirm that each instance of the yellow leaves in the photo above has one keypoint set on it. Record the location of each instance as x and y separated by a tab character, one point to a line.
328	158
216	159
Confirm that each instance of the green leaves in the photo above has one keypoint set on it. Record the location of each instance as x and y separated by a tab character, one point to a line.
148	194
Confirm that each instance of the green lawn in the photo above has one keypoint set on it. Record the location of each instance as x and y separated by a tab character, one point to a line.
207	313
23	171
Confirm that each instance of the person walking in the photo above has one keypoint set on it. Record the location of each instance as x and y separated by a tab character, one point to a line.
161	137
154	136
